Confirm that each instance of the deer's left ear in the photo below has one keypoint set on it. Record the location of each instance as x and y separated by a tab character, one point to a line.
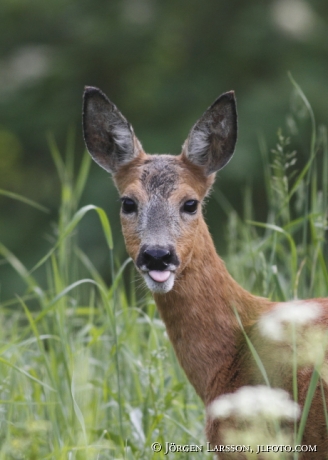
211	141
109	137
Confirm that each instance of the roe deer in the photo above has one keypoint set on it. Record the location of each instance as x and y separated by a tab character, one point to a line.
169	242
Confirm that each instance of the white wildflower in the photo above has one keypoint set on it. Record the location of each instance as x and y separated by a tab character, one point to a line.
273	323
136	420
251	402
312	347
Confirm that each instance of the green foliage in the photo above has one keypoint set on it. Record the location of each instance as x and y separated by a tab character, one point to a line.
87	370
289	259
162	63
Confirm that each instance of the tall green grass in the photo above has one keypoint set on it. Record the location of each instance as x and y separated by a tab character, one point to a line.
87	371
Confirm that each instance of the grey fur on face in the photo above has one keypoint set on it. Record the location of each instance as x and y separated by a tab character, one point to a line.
160	176
157	217
159	220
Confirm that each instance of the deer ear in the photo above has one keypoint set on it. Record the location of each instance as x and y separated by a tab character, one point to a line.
108	135
211	141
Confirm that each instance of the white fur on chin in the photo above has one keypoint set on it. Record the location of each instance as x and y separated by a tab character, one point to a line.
159	288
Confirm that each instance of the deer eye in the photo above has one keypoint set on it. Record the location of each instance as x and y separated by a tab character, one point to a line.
190	206
128	206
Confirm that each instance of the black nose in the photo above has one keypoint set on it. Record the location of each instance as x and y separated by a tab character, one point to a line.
157	258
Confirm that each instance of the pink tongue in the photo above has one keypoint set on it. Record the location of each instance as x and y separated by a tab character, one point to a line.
159	276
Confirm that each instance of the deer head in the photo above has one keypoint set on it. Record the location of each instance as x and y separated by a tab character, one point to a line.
161	195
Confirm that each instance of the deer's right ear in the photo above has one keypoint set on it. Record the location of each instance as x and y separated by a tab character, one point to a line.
108	135
211	141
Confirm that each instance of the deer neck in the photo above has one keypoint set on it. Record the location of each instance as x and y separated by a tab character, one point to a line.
200	317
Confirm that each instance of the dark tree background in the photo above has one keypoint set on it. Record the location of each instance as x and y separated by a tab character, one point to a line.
163	64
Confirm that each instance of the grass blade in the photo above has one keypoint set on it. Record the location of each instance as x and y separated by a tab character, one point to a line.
25	200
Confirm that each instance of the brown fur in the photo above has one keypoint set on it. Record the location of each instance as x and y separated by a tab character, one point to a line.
199	311
200	320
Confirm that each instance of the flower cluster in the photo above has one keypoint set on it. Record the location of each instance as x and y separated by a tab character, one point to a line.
256	402
274	324
256	415
296	325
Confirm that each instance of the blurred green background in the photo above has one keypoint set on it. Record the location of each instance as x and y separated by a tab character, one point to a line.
162	63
